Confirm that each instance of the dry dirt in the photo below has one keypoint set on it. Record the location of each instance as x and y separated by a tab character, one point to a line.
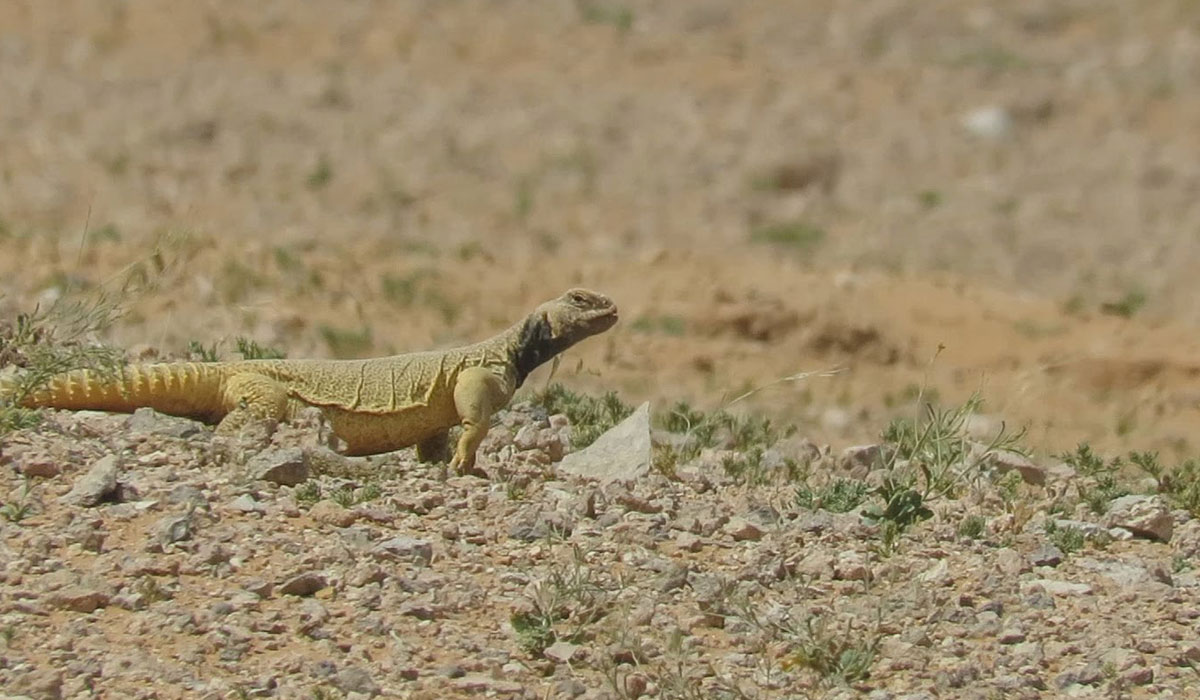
937	198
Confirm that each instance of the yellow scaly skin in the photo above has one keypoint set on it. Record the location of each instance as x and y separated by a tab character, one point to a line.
374	405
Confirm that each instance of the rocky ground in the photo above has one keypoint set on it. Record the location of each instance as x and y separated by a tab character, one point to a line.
144	557
935	199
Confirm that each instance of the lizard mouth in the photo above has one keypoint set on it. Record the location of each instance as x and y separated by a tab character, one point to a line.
603	320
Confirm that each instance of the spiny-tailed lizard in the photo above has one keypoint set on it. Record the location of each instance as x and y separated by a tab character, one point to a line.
375	405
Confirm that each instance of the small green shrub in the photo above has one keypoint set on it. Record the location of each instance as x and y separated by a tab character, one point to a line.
345	342
843	658
796	234
1127	306
590	416
838	496
1101	483
251	350
972	527
1068	539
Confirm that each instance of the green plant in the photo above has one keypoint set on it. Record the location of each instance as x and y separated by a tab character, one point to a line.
49	341
236	280
251	350
561	605
108	232
930	199
667	325
308	492
972	527
199	353
1068	539
515	491
590	416
418	286
843	657
320	175
746	467
524	198
344	342
285	259
1126	306
795	234
8	633
535	630
595	12
1100	484
939	450
343	497
903	506
18	510
151	590
1180	484
368	493
404	290
838	496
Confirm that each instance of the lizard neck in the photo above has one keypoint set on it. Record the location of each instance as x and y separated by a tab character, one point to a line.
530	344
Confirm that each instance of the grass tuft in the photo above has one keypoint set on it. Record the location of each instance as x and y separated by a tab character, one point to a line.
590	416
799	235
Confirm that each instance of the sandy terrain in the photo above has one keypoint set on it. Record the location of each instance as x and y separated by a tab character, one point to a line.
933	198
419	173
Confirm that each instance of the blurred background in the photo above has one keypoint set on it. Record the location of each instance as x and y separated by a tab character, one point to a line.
765	188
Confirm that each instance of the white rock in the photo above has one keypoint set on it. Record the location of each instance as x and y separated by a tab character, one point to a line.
1144	516
621	454
989	122
1063	588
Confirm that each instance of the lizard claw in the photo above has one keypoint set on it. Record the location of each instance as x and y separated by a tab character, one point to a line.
464	467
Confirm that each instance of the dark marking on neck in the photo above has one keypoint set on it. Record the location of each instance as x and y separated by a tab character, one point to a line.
536	344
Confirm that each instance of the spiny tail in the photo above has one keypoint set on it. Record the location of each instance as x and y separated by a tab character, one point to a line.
182	389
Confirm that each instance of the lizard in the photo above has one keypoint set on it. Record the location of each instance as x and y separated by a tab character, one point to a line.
373	405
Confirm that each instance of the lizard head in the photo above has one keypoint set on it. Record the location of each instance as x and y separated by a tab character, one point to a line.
578	314
560	323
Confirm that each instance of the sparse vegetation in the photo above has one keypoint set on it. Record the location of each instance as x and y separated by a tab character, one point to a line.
419	287
838	496
666	324
930	199
49	341
320	175
937	453
590	416
561	606
1101	482
251	350
1127	306
798	235
1180	484
308	492
843	657
972	527
199	352
598	12
1069	539
345	342
14	511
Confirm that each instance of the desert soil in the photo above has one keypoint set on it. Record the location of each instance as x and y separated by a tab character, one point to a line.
935	199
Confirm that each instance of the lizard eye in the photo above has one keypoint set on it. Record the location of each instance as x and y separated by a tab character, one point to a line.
578	298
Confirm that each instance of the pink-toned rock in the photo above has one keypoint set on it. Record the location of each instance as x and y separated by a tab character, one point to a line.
333	513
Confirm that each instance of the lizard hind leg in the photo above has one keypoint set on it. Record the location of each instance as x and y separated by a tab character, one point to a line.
435	448
249	398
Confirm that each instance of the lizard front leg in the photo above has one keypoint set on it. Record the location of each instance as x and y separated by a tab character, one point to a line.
251	397
477	395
